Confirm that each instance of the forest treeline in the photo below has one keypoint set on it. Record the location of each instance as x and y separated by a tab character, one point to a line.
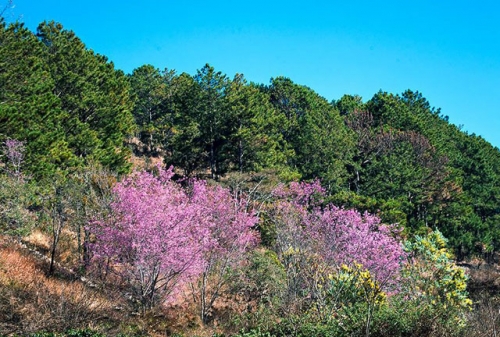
393	155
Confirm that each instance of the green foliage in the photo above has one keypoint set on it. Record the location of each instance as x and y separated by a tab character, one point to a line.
261	283
316	141
348	104
264	277
183	140
302	327
30	110
407	154
432	299
211	123
69	333
67	103
254	333
402	318
17	199
434	278
347	300
254	141
153	91
352	285
94	94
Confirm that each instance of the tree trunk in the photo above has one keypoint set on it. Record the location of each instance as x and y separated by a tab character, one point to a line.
203	300
240	155
56	232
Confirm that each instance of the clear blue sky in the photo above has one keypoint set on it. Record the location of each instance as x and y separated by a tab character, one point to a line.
447	50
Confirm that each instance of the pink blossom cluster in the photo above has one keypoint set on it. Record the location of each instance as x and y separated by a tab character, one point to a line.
227	221
159	236
338	236
300	193
15	150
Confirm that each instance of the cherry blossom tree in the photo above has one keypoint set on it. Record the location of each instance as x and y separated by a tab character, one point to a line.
151	239
160	237
231	235
314	239
15	152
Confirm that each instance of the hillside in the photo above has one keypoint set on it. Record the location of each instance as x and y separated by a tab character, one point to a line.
208	205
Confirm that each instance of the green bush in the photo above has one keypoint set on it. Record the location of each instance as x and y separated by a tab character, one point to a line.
432	299
17	197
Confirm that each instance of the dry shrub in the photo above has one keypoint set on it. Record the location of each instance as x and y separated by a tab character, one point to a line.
182	316
484	320
484	277
139	161
31	302
67	253
68	248
484	289
39	240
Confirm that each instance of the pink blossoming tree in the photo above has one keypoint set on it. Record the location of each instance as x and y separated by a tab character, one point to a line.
230	237
150	237
159	237
313	239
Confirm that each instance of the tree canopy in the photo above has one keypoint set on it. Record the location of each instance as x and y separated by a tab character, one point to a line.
393	155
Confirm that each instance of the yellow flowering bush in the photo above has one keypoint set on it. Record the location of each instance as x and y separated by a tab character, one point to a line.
434	280
348	298
356	283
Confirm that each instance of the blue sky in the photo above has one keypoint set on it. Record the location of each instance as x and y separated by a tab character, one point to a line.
447	50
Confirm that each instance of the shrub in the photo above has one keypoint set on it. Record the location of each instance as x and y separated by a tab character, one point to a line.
432	300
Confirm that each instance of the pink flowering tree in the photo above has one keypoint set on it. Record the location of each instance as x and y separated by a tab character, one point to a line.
14	151
231	235
314	240
347	237
16	195
159	237
151	238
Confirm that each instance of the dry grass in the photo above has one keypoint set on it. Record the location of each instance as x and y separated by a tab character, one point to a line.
67	249
486	277
31	302
484	289
140	163
484	320
39	240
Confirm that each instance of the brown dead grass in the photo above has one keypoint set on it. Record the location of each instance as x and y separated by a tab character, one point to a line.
38	239
31	302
